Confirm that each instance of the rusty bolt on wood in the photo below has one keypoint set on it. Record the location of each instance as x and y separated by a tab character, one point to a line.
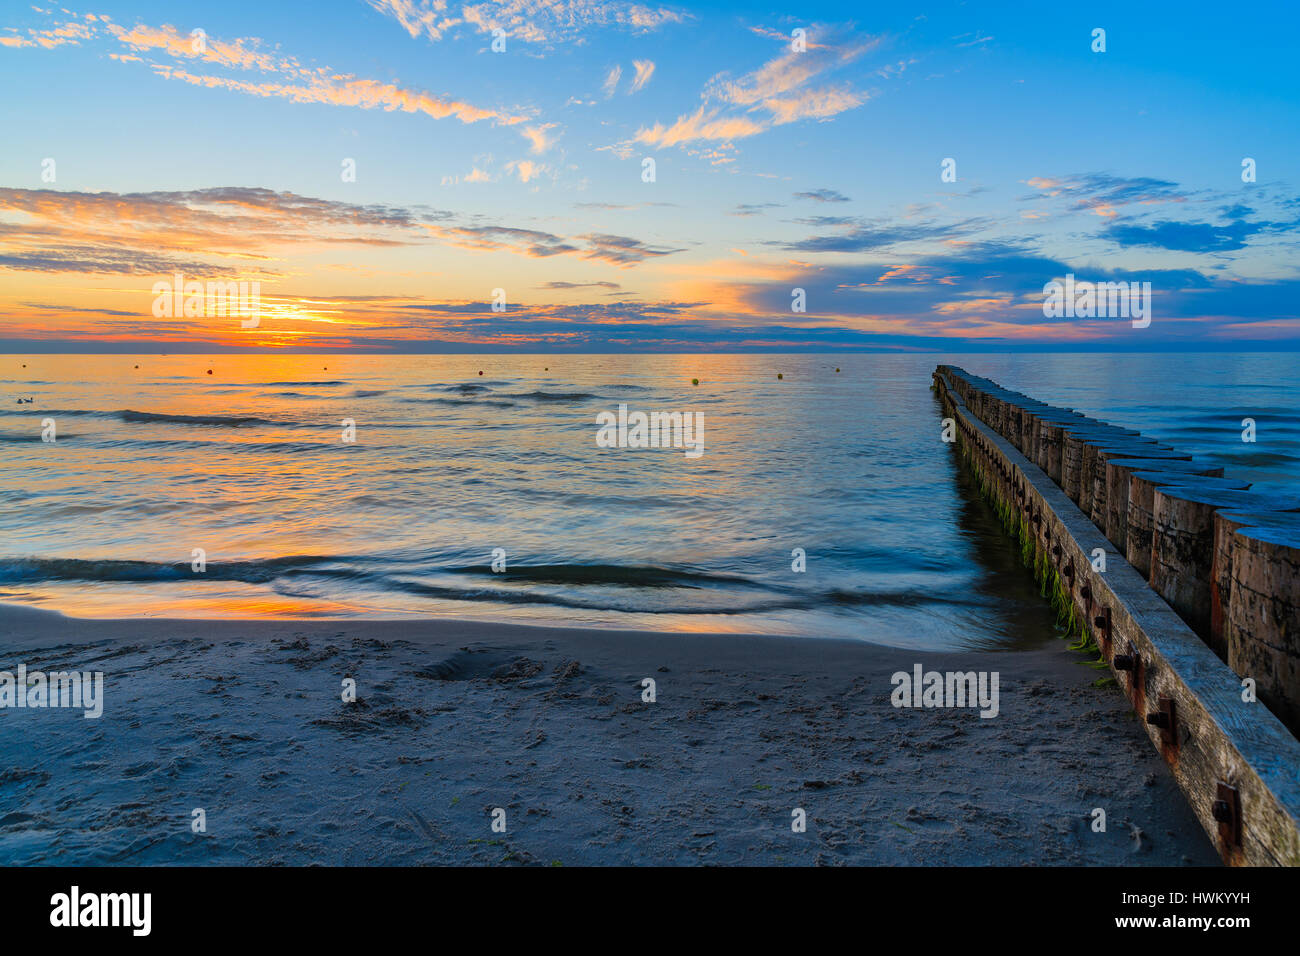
1164	719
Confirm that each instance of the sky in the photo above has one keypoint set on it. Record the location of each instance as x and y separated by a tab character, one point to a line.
574	175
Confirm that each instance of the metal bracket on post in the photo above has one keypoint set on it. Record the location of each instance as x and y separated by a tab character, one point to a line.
1226	809
1130	661
1102	623
1165	719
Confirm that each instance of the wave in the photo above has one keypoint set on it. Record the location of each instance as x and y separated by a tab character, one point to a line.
36	570
540	396
225	421
495	403
627	601
597	587
31	436
467	389
634	575
196	444
657	500
1218	413
62	412
1253	459
262	570
133	416
298	384
476	386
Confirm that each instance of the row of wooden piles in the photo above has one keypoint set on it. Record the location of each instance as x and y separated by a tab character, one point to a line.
1226	558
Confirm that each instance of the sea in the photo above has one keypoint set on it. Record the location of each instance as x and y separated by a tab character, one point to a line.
822	501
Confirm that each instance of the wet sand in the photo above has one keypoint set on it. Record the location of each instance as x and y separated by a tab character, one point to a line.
454	719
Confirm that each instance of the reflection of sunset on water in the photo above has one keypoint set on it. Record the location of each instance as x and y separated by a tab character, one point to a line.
250	465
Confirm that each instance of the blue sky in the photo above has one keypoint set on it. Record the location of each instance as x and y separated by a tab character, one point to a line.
522	170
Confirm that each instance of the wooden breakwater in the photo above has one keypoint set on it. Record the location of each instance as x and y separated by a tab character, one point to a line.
1093	503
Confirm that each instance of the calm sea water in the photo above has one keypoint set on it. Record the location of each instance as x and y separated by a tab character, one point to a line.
155	458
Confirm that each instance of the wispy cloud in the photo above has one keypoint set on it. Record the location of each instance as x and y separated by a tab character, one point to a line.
66	231
526	169
71	32
289	78
1102	193
538	244
560	284
781	91
703	124
611	80
539	137
365	94
644	70
866	236
242	54
822	195
475	175
532	21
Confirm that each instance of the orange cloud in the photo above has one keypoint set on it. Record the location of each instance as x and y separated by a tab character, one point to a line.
301	84
777	93
345	91
700	125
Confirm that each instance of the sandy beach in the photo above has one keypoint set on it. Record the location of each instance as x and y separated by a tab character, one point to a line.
245	720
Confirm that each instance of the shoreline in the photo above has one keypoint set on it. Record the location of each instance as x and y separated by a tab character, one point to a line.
244	719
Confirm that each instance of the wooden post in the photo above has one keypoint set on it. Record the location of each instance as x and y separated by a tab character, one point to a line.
1072	448
1117	493
1142	498
1226	524
1263	630
1104	453
1051	436
1182	547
